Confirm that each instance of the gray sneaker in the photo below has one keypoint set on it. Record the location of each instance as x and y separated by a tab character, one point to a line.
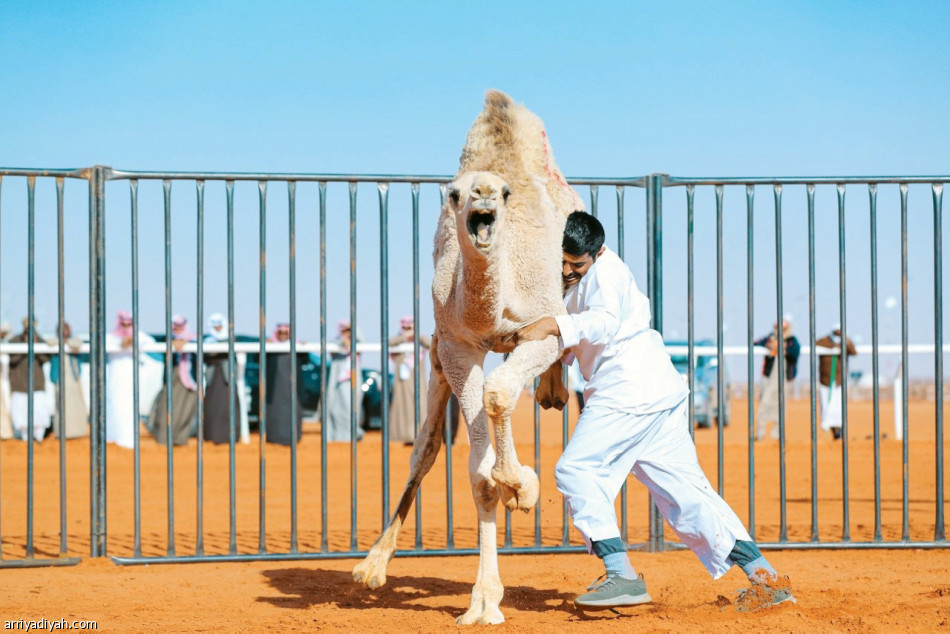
614	592
765	595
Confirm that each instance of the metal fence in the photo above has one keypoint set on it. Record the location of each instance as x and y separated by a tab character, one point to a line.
651	231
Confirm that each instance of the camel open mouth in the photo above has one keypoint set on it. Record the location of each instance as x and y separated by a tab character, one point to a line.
480	227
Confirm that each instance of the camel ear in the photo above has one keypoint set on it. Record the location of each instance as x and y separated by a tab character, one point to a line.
454	196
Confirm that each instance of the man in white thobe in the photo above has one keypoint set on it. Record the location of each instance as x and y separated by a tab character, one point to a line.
635	421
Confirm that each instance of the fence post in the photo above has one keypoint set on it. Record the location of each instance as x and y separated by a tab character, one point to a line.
97	357
655	291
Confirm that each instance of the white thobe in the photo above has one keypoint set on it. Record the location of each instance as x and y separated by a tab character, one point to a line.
634	421
122	415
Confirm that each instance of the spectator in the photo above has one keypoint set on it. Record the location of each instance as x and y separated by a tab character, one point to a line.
768	401
184	391
829	377
338	401
6	426
122	412
217	412
19	388
76	411
280	421
402	418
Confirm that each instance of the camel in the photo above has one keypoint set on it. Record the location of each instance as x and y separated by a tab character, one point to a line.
497	268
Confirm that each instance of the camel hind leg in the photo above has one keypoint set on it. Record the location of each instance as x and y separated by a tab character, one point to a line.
371	571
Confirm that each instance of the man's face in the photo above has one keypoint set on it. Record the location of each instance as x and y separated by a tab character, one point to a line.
574	267
67	331
283	333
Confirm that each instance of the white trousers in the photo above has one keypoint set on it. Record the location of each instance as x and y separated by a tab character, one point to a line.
608	444
19	412
830	399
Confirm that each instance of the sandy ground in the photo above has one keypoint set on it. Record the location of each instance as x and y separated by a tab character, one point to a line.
845	590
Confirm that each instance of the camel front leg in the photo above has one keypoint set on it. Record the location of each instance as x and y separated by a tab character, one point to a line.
372	570
518	484
488	591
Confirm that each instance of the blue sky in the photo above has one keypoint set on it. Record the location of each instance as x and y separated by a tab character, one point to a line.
624	88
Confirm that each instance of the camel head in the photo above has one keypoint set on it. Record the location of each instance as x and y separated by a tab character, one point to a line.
479	201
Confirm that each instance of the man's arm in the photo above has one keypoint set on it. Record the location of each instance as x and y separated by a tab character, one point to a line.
537	331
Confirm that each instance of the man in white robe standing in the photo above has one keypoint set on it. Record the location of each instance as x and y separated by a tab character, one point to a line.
122	412
635	421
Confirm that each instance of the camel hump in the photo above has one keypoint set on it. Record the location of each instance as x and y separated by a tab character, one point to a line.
496	99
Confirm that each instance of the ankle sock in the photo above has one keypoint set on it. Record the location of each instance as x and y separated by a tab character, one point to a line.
760	571
747	556
619	564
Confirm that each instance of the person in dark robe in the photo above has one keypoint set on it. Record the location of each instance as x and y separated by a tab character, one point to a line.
184	391
217	412
282	428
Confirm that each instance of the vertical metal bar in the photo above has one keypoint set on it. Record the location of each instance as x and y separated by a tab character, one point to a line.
750	358
565	529
102	509
846	529
292	251
1	304
620	194
780	366
690	308
95	370
136	385
232	379
654	276
200	363
593	200
939	531
324	366
449	490
656	236
620	238
30	356
417	367
449	422
61	392
354	379
720	396
537	463
905	325
166	187
875	365
262	384
383	189
813	360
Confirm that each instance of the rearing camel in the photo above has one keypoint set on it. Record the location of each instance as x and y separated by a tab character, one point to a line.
497	268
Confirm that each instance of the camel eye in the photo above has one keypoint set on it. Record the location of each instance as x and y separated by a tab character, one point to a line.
454	196
505	192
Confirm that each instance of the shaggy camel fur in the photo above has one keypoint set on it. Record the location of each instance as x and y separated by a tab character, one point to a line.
497	268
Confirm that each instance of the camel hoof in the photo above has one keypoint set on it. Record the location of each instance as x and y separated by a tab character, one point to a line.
522	494
369	573
487	616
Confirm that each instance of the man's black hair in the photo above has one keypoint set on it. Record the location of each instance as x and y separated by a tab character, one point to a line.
583	234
